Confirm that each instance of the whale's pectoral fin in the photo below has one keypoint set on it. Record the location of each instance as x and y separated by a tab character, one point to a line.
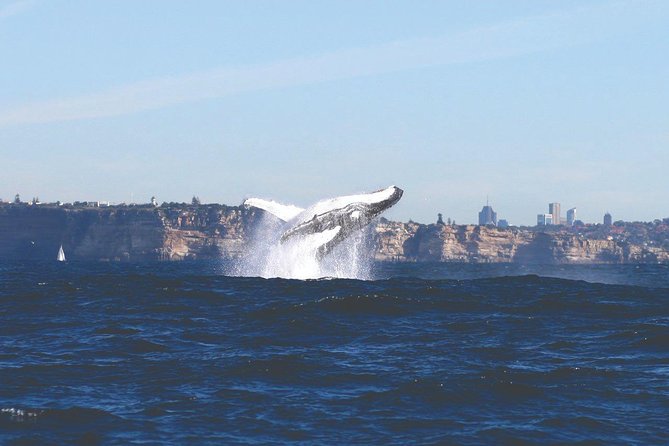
283	212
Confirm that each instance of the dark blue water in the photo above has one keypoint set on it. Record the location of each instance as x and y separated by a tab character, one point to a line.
176	353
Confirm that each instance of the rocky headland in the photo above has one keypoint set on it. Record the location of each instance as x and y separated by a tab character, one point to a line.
488	244
124	233
179	231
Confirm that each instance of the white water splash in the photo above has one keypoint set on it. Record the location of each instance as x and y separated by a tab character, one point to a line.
297	258
19	415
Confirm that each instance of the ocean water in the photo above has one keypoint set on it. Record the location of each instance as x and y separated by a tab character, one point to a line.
178	353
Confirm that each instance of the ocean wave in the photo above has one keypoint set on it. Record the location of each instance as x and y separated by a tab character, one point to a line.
173	354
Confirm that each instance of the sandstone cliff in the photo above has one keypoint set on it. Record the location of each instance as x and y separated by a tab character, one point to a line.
132	233
481	244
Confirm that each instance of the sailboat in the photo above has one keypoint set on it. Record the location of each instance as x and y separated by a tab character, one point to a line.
61	254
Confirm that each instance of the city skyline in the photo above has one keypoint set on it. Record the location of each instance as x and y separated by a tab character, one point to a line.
293	102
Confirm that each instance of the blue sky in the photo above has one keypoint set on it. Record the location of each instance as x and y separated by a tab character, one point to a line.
528	102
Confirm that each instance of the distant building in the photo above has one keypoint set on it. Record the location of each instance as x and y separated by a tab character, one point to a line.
502	224
554	210
571	216
440	220
544	219
154	202
608	220
487	216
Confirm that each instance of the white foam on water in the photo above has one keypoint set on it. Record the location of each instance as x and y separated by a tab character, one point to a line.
19	414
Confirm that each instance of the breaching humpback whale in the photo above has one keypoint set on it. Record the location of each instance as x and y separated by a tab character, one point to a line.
327	223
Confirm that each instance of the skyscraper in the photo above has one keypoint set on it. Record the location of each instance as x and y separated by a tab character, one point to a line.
571	216
554	209
487	216
608	220
544	219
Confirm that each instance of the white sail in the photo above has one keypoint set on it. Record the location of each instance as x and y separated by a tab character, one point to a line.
61	254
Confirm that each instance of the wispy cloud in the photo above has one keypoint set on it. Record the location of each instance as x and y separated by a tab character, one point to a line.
509	39
15	8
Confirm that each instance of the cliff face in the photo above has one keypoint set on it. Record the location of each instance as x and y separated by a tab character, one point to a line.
481	244
124	233
395	241
209	232
180	231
